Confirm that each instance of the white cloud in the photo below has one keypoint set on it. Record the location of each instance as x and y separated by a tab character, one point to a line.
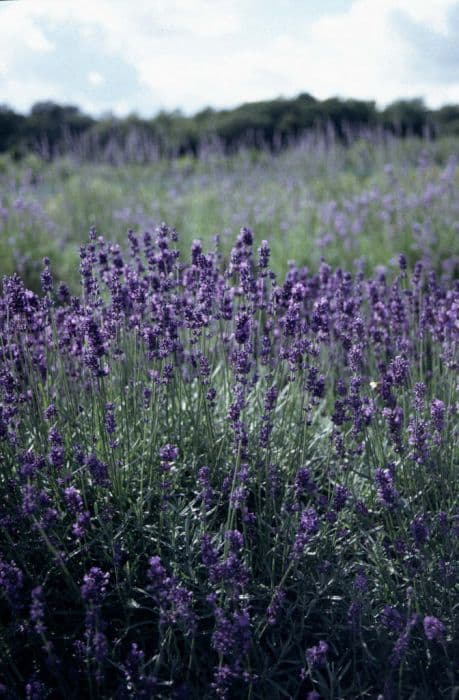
190	54
18	30
362	51
95	78
36	40
26	92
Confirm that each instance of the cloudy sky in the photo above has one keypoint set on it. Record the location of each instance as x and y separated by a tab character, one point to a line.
146	55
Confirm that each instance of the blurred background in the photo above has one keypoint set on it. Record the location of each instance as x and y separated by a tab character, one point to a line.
331	128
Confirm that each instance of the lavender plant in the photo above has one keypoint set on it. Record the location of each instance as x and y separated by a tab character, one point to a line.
216	482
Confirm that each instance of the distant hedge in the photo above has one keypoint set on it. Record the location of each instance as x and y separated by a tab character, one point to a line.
52	129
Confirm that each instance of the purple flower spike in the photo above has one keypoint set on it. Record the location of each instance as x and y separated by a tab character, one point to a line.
317	655
169	453
437	413
434	629
95	585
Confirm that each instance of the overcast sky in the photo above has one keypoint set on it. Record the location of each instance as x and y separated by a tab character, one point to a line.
146	55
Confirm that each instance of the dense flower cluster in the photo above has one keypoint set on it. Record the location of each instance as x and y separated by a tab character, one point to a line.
218	483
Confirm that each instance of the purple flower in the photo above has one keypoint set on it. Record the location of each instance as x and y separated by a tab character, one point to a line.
37	610
207	492
317	655
94	586
402	262
339	415
31	464
361	582
46	277
303	482
109	418
419	530
308	526
15	294
169	453
36	690
174	601
11	582
437	413
263	255
29	499
100	647
63	293
275	607
156	572
223	677
95	348
231	572
387	494
245	236
209	556
50	412
98	470
391	619
232	637
355	356
73	499
133	669
420	391
400	648
418	438
340	498
235	539
400	369
222	637
361	508
242	331
434	628
394	417
57	453
80	526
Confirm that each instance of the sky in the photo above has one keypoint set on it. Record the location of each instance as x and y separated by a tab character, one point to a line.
143	56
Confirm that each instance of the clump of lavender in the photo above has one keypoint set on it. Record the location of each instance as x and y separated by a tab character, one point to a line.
434	629
94	586
308	526
317	655
401	646
93	592
274	609
37	610
387	494
208	468
437	414
174	600
391	619
419	530
11	582
98	470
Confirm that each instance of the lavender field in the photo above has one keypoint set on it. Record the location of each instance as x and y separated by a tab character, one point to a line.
229	443
363	204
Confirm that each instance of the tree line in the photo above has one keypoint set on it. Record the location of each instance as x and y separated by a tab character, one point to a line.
51	129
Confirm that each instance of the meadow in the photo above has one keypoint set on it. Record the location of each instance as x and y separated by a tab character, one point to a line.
229	442
366	202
